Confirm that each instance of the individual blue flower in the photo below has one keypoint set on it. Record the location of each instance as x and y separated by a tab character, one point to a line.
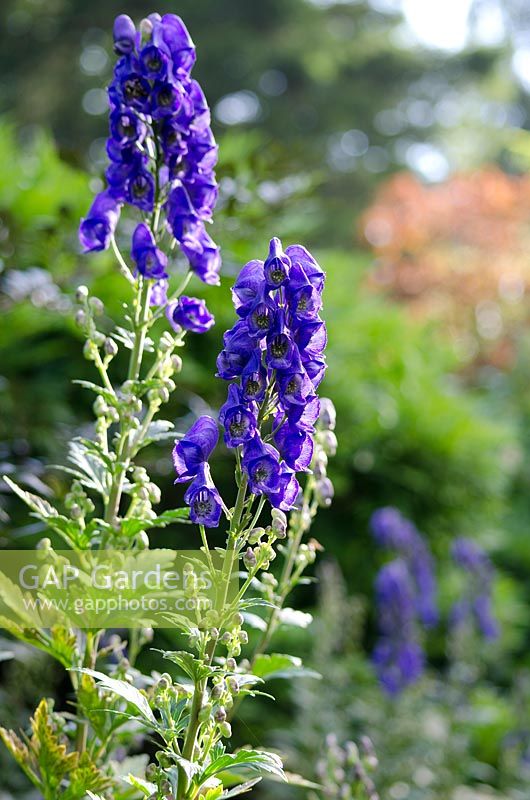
97	228
141	190
261	464
126	128
153	62
159	293
294	383
299	255
203	499
287	490
253	379
195	448
172	33
238	350
150	261
248	290
304	300
295	445
277	265
124	34
191	314
281	349
239	420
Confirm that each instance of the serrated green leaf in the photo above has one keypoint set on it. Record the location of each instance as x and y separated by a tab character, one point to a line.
191	666
255	760
241	788
124	690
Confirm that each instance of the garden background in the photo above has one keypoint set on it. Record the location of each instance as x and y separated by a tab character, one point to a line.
391	139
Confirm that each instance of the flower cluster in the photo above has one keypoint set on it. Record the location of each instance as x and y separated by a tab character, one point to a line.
161	149
475	604
406	599
393	531
398	656
274	359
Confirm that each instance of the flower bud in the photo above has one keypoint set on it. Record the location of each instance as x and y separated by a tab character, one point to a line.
324	492
249	558
233	684
81	294
80	318
142	540
96	306
238	619
89	351
243	637
151	772
279	523
204	713
110	346
225	730
231	664
220	714
44	544
255	535
329	442
176	363
328	415
99	407
217	691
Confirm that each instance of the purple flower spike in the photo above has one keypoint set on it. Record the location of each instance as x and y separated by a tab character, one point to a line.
203	499
195	448
277	265
475	602
124	34
191	314
150	261
97	229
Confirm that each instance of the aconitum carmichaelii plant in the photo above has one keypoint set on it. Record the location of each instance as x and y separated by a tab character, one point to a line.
162	155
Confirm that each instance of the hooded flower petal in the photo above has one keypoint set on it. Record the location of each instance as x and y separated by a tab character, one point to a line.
191	314
203	499
195	448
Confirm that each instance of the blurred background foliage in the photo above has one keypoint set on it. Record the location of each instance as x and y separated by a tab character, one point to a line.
390	137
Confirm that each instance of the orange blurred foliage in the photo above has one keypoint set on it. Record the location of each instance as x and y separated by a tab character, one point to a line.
458	252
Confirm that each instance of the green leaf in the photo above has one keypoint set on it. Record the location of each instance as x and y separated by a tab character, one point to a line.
277	665
42	508
255	760
146	787
168	517
93	470
191	666
241	788
125	690
159	430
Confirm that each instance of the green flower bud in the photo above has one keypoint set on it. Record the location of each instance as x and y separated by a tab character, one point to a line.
96	306
233	684
249	558
231	664
44	544
205	712
81	294
99	338
89	350
80	318
238	619
142	541
151	772
225	730
329	442
243	637
328	415
110	346
255	535
217	691
220	714
176	363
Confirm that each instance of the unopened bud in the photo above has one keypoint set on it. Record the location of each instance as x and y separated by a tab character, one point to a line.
96	305
324	492
279	523
225	730
328	415
110	346
176	363
231	664
255	535
80	318
249	558
220	714
81	294
329	442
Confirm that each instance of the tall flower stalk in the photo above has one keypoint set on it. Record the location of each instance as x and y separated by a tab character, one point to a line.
162	155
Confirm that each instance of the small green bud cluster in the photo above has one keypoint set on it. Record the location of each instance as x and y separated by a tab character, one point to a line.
78	503
345	771
90	307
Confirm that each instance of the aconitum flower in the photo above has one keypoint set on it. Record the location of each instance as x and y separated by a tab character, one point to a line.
191	314
203	499
195	448
393	531
161	148
398	656
275	355
150	261
97	229
475	603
